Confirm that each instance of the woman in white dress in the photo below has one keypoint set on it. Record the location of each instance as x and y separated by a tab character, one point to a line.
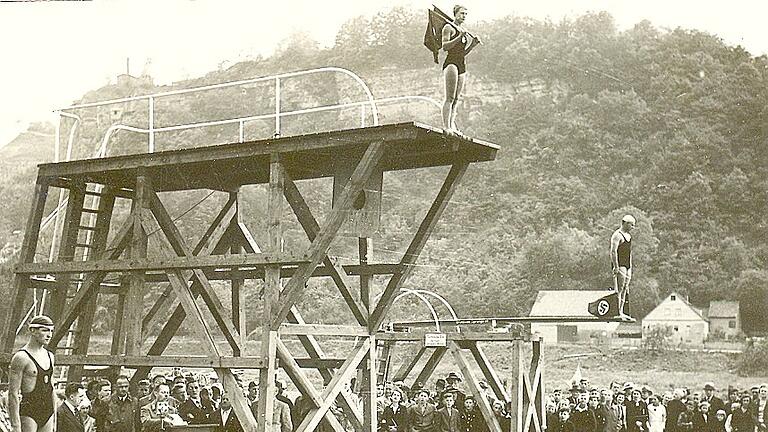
657	414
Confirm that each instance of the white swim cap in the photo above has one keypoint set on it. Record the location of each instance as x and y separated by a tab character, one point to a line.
628	218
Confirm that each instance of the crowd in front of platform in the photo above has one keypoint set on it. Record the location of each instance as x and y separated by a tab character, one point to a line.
98	405
625	407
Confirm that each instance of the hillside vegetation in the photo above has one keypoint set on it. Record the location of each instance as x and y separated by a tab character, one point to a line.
669	125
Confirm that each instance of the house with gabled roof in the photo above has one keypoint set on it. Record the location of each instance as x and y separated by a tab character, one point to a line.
724	318
685	322
569	304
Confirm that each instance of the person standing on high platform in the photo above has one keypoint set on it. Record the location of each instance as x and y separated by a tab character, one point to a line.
457	42
30	375
621	261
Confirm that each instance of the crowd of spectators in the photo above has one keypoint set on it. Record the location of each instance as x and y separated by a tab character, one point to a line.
624	407
102	406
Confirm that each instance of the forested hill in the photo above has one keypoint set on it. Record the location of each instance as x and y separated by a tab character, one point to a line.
670	126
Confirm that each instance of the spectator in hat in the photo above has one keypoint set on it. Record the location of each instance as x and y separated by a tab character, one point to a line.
143	388
253	393
645	393
452	381
715	403
755	389
573	399
718	423
280	395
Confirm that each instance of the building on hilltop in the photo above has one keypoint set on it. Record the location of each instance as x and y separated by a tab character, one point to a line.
685	323
569	304
724	318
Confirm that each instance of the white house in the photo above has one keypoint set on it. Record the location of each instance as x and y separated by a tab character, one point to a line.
724	318
569	304
685	321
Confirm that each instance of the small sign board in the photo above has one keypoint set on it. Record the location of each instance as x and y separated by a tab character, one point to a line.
435	340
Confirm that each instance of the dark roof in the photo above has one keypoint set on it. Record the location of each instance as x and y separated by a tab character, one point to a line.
723	309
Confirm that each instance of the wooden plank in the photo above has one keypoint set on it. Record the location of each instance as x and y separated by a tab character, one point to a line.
134	362
319	363
322	330
93	280
429	367
454	336
117	348
516	386
364	251
488	371
319	247
407	366
26	255
140	265
345	373
474	386
303	384
426	228
369	392
237	282
312	228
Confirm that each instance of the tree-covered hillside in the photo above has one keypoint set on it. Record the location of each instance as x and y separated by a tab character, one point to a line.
670	126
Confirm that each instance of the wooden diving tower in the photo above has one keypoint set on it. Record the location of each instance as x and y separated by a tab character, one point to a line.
227	251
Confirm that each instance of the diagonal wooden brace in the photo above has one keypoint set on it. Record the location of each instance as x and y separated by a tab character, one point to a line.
319	247
417	244
312	228
474	387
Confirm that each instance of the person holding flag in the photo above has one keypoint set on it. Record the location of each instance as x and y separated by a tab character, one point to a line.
457	42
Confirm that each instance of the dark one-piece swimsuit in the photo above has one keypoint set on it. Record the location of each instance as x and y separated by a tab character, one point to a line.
38	404
456	56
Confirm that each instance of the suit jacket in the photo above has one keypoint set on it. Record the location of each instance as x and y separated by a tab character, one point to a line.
281	416
192	414
449	419
232	425
67	421
151	419
610	417
422	421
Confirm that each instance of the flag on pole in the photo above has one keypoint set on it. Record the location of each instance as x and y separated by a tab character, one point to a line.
576	378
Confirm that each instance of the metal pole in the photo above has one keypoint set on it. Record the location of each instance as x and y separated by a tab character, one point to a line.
242	131
277	106
151	124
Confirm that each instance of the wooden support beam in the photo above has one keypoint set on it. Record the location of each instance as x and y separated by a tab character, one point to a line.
488	371
322	330
364	251
516	386
267	376
137	362
408	365
312	228
430	366
451	336
134	298
319	247
114	250
474	386
300	380
345	373
237	282
26	255
417	244
369	392
143	265
206	290
344	400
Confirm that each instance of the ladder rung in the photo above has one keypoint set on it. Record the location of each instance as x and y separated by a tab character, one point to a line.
83	245
87	228
90	210
92	193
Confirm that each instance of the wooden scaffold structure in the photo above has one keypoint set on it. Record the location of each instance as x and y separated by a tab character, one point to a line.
355	158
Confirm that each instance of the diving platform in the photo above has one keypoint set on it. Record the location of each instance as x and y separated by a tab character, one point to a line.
228	166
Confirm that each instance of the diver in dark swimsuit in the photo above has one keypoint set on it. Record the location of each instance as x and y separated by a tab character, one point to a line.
455	40
35	410
621	261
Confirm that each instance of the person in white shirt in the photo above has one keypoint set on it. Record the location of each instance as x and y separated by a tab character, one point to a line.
657	414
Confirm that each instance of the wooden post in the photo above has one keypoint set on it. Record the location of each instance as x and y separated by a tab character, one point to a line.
238	283
134	301
67	245
267	375
26	255
515	389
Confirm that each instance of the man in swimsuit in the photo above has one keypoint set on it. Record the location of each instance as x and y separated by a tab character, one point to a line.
454	68
621	260
31	399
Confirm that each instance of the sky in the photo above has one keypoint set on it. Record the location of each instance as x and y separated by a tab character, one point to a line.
54	51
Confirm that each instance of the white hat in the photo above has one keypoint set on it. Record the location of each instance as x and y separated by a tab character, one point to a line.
628	218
